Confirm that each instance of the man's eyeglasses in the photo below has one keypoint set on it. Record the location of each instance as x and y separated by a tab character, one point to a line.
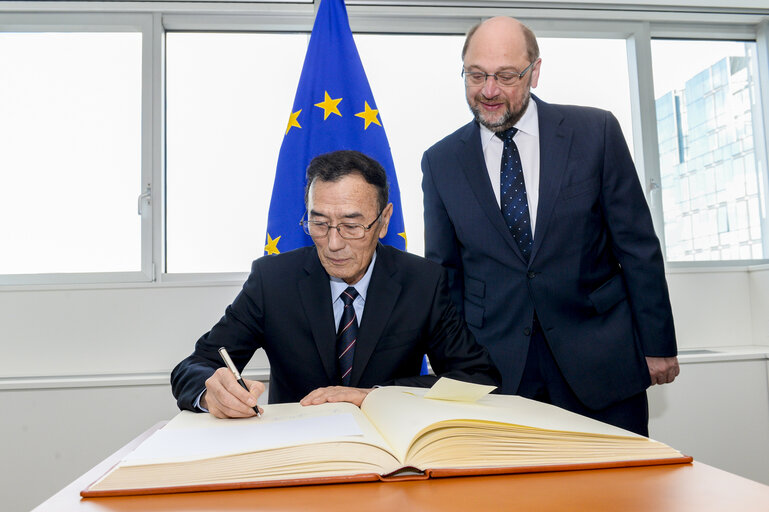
347	230
505	78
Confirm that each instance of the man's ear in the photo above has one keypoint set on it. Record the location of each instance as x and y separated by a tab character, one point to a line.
384	220
535	73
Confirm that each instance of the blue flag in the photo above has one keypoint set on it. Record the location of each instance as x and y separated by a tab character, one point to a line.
333	109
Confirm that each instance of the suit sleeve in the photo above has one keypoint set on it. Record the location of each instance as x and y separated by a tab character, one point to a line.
441	244
451	347
240	330
636	246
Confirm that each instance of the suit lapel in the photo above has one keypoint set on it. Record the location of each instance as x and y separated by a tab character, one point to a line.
554	146
471	159
381	297
315	297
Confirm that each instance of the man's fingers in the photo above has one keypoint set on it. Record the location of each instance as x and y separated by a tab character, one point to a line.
672	370
315	397
673	373
335	394
256	388
234	388
219	407
225	405
225	397
663	370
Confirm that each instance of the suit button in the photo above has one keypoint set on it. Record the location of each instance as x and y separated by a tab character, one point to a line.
527	331
531	274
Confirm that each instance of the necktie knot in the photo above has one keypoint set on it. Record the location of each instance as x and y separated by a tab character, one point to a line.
508	134
349	295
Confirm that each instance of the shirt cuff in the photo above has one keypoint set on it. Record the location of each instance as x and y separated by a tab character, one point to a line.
197	405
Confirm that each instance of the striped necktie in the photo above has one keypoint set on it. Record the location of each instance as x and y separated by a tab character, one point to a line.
346	336
512	194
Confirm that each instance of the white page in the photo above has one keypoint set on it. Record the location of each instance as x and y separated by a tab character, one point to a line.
183	442
402	412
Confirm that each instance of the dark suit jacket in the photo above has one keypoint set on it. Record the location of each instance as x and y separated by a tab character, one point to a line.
595	276
285	308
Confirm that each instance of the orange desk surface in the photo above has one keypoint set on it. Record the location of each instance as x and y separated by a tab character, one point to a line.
687	487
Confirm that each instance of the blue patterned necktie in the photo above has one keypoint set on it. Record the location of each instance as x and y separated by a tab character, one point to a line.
346	336
512	194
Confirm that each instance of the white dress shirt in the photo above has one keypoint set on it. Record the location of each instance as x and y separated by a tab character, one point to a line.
527	140
338	286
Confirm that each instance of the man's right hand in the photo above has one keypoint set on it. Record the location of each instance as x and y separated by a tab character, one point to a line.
225	398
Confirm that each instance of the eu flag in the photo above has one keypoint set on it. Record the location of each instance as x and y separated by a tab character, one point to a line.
333	109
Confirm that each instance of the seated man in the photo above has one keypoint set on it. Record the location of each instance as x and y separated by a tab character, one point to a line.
336	318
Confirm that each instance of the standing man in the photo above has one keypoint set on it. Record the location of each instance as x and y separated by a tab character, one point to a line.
537	213
336	318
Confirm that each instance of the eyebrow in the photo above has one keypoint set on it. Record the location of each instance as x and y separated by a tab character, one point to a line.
354	215
511	69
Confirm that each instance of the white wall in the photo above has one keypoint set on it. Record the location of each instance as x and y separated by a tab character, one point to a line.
148	329
759	304
51	436
711	308
82	331
717	411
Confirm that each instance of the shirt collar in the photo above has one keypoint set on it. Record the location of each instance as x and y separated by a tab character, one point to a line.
529	122
338	285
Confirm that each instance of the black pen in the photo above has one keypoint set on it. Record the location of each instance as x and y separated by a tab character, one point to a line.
236	373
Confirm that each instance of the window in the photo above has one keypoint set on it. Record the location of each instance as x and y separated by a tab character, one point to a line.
420	94
601	80
70	152
228	99
710	162
229	95
189	110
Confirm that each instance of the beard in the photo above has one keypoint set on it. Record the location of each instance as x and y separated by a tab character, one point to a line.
507	118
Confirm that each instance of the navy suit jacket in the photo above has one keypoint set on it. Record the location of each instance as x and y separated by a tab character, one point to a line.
285	308
595	276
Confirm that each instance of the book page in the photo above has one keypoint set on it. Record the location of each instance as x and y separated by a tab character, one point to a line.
194	436
457	391
289	441
401	413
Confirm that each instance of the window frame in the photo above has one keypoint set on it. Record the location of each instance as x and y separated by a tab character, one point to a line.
759	33
144	25
637	25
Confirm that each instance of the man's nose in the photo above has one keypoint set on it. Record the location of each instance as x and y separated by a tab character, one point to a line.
490	87
335	240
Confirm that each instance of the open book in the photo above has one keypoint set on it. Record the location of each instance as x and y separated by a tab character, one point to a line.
396	434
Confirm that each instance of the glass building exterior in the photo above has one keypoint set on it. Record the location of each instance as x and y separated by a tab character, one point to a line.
712	164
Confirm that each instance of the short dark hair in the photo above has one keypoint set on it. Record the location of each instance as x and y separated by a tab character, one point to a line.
532	48
336	165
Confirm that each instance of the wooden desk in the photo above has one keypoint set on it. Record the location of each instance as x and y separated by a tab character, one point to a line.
691	487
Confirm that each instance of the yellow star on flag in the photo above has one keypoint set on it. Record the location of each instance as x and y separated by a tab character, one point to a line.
329	106
406	240
272	245
369	114
292	121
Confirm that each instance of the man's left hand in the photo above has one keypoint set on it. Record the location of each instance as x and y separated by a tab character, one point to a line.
663	370
336	394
